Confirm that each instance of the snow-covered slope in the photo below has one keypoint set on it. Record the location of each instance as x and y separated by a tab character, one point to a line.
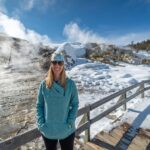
73	49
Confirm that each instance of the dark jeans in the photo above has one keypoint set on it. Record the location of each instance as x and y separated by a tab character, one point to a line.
65	144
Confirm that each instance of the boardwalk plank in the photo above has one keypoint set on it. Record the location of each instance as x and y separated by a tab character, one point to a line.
107	138
112	138
91	146
139	143
116	133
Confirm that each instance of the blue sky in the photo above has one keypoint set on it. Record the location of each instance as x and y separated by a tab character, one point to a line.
82	20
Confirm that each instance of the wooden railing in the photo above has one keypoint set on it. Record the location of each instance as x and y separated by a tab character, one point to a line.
86	121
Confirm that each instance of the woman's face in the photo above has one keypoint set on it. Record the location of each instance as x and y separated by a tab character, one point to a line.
57	67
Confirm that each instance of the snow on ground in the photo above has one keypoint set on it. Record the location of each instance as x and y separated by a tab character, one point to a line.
99	80
138	115
143	54
103	77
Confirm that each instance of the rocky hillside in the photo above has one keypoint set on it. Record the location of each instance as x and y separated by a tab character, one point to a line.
111	54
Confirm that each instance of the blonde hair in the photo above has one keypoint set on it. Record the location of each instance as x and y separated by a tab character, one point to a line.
50	78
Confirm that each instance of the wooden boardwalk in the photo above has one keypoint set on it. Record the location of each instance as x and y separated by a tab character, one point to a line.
123	137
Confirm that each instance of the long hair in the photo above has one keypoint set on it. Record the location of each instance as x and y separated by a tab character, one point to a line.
50	78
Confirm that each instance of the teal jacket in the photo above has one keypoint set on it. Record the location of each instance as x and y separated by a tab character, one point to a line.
56	109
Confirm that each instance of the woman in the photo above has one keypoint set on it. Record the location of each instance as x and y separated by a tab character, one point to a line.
57	105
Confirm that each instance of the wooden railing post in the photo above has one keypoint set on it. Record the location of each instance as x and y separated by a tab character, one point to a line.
87	132
123	97
142	88
125	104
86	118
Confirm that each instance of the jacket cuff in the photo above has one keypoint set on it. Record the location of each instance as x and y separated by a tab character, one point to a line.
70	123
41	126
